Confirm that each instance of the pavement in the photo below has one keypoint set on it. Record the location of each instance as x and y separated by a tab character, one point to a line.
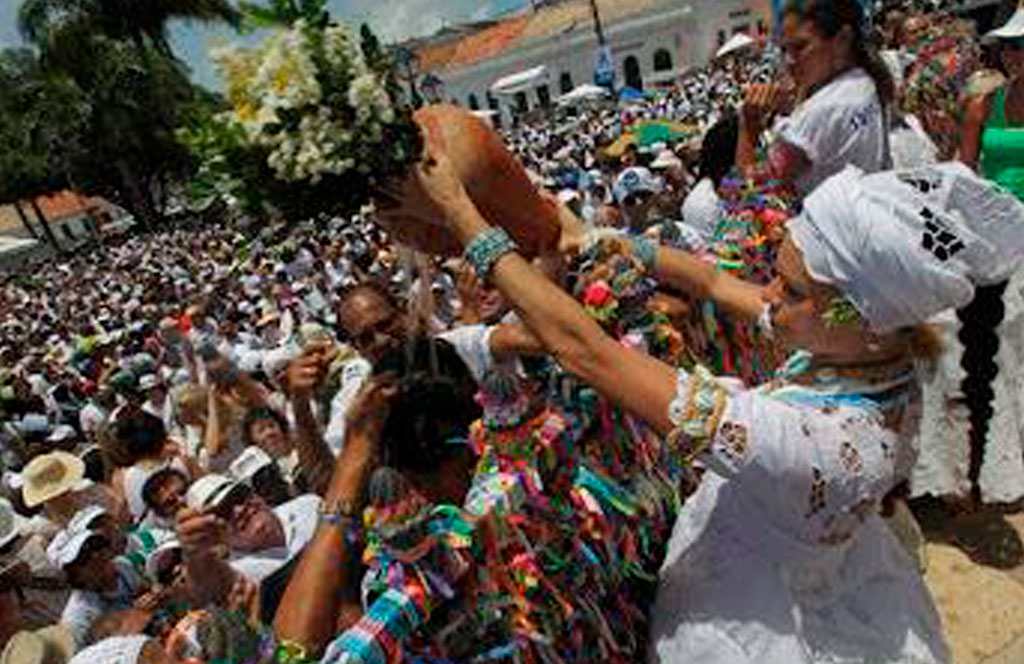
982	607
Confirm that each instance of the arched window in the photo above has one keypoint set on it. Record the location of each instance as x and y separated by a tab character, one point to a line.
662	60
631	67
474	103
565	85
522	105
544	96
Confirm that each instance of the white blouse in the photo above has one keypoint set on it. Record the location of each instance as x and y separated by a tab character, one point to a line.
842	123
780	556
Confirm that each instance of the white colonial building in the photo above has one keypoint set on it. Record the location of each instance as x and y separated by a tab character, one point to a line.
545	51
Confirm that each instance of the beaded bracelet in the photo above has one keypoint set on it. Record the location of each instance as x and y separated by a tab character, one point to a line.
290	652
486	248
645	251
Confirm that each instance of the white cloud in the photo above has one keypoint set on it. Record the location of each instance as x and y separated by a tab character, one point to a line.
400	19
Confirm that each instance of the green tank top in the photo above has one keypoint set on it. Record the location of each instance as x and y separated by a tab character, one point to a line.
1002	148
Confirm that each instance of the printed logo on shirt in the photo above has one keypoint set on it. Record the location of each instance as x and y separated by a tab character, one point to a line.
864	116
942	242
920	182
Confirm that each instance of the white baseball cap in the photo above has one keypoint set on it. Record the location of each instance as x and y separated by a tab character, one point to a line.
158	559
148	381
85	518
67	545
249	462
1012	28
62	433
138	476
208	491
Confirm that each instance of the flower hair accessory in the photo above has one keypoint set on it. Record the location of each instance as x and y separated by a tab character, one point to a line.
841	311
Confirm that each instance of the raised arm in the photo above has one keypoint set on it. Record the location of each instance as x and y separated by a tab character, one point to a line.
641	384
315	458
703	281
322	598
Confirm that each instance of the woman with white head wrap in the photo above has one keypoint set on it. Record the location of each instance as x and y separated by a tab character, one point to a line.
781	556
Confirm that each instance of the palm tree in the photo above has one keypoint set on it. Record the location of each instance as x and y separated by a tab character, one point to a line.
141	22
283	13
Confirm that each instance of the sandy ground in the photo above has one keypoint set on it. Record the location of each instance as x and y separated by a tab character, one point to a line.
982	607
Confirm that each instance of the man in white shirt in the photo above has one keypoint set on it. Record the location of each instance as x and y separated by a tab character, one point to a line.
376	325
261	539
100	582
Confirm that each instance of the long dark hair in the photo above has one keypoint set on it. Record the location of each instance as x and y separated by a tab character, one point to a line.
433	408
979	334
831	16
718	150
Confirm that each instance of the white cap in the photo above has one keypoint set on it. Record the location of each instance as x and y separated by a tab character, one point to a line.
66	546
148	381
666	159
633	180
249	462
208	491
85	518
34	423
62	433
157	559
137	477
1011	29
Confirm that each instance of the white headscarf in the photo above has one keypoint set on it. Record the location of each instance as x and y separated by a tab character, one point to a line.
115	650
906	245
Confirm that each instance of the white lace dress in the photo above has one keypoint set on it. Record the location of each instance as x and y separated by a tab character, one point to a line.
780	557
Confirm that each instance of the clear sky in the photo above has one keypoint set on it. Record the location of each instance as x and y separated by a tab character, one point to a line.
390	19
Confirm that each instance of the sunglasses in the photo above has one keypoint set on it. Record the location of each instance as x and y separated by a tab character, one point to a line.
639	198
237	496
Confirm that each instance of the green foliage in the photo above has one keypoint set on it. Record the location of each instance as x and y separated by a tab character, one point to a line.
48	23
283	13
105	96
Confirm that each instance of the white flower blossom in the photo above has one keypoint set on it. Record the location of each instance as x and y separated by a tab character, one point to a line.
272	84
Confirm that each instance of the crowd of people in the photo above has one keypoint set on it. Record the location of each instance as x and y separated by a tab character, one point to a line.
686	434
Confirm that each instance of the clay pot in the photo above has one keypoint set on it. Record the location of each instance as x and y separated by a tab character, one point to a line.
494	179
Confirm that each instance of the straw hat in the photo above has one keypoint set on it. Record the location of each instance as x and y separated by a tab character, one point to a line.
50	645
51	475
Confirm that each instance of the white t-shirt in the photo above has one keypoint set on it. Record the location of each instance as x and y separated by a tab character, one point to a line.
85	607
840	124
700	209
91	418
299	517
471	342
353	376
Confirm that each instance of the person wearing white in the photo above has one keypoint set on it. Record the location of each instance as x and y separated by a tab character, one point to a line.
263	539
842	89
781	556
701	209
100	582
841	123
